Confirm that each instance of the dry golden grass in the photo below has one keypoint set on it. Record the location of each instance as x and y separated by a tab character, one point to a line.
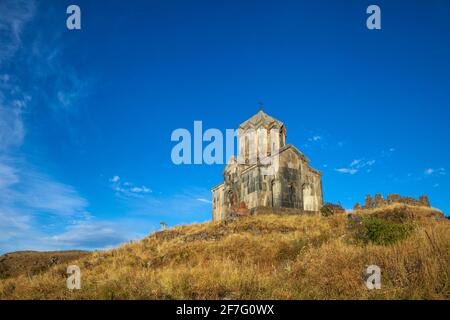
261	257
32	262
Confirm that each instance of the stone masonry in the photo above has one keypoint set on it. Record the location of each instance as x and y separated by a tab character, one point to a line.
294	187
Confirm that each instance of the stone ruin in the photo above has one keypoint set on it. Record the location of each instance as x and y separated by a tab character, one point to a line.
379	201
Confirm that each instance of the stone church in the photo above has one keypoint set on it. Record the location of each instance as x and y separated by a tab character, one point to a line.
249	188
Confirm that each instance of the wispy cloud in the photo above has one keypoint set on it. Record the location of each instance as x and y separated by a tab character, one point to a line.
142	189
127	188
12	224
347	170
12	130
25	189
88	234
14	16
356	166
315	138
42	193
435	172
178	205
204	200
31	199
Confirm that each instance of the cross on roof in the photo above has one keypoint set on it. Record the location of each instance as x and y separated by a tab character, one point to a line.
261	106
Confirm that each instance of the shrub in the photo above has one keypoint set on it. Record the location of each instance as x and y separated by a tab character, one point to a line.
329	209
382	232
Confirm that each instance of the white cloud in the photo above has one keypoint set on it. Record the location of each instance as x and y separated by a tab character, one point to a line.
436	172
70	92
315	138
142	189
24	188
204	200
347	170
14	16
53	197
4	77
356	165
30	199
92	233
183	206
127	188
8	176
12	224
12	130
88	234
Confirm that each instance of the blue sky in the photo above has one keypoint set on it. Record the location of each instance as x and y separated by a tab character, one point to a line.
86	116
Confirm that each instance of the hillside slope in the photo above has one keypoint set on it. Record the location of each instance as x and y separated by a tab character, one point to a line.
265	257
30	263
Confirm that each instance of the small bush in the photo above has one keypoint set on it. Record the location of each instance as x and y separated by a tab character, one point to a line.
382	232
329	209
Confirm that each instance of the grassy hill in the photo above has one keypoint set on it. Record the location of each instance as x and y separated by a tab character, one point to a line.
265	257
30	263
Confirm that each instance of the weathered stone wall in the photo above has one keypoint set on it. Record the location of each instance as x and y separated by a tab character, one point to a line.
295	185
218	203
282	211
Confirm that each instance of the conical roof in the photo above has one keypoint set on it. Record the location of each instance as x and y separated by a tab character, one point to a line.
261	118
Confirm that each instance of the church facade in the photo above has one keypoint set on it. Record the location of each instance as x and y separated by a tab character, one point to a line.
268	175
